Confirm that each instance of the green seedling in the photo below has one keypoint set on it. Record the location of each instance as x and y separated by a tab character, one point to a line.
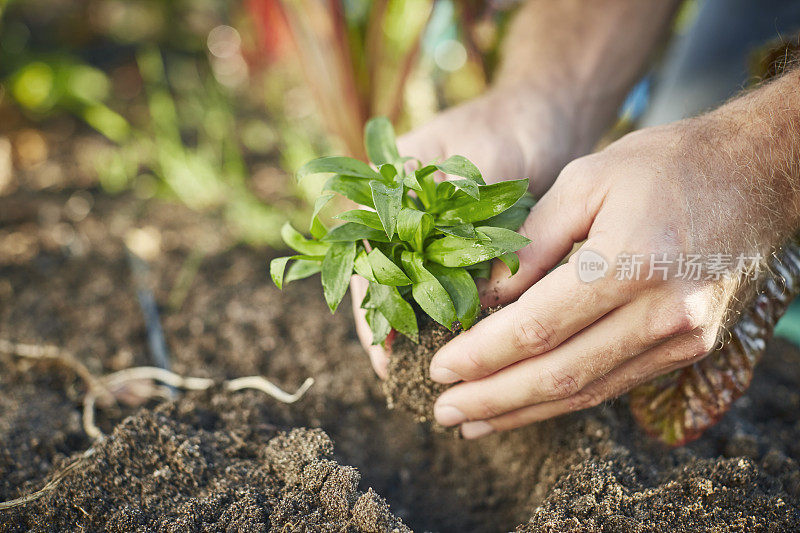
416	240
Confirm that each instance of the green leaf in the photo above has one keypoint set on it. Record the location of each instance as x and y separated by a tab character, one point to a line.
315	224
504	239
495	199
356	189
362	266
458	165
385	271
302	269
513	217
380	142
413	226
276	268
428	292
352	231
511	260
387	201
469	187
395	309
389	173
465	231
411	182
362	216
337	267
278	265
457	252
347	166
379	326
462	290
480	270
427	185
295	240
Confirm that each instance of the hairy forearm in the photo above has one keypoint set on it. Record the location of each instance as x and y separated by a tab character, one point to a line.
584	53
758	136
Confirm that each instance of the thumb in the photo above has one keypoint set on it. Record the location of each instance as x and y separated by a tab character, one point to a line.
562	217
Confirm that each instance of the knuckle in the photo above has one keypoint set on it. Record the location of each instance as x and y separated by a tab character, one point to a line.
475	365
584	400
677	317
577	170
532	336
559	385
699	343
486	409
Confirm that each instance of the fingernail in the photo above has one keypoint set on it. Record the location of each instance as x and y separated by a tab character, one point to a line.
447	415
474	430
441	374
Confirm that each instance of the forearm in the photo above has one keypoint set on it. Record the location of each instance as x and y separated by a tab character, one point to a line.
586	54
758	135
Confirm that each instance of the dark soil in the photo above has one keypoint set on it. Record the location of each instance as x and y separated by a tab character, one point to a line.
408	384
242	461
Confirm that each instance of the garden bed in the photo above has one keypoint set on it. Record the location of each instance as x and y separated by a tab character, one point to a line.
218	459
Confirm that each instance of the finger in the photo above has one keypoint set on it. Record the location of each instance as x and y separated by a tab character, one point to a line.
377	355
564	371
668	356
562	217
550	312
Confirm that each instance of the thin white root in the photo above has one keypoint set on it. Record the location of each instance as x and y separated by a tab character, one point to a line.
157	374
101	387
267	387
50	485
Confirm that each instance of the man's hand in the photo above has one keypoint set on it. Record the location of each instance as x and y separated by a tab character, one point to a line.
723	184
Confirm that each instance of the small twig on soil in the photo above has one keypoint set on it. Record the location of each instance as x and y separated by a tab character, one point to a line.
50	485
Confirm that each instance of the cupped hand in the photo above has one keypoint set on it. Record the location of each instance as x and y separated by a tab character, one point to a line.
508	133
649	207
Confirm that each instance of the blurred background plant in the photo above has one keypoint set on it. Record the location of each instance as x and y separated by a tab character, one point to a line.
215	103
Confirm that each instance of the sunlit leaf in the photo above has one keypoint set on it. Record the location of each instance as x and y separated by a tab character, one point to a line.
302	269
513	217
495	199
295	240
458	252
353	231
315	225
458	165
413	226
387	201
355	189
379	140
346	166
465	231
277	268
385	271
362	266
362	216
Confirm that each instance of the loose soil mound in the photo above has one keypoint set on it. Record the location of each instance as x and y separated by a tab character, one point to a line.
216	460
